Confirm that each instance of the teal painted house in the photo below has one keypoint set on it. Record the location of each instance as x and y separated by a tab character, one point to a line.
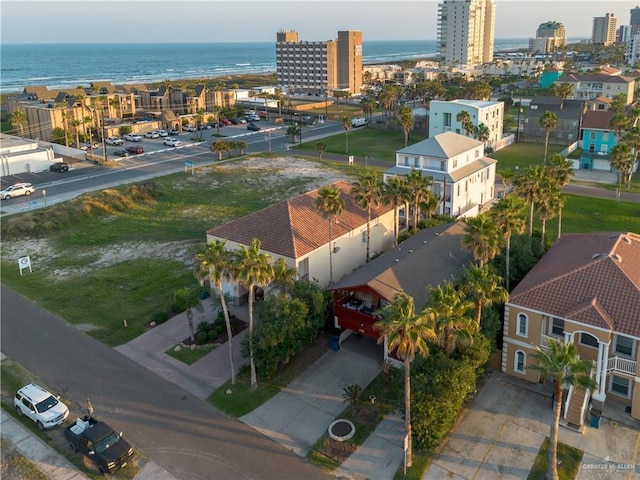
597	139
548	76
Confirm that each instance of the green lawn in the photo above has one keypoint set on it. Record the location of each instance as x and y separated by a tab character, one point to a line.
520	155
189	356
569	459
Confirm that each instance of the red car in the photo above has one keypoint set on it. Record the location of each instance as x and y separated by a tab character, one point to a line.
135	150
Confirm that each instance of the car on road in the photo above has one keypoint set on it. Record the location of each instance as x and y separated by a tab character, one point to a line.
39	405
163	133
172	142
253	127
17	190
121	153
113	141
152	135
135	150
59	167
132	137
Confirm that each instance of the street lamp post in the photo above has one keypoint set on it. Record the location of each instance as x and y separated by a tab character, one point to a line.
518	126
44	196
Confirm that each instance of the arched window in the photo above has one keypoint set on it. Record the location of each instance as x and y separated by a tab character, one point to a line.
522	327
520	361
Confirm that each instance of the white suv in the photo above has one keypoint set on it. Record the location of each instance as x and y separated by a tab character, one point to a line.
132	137
40	406
113	141
17	190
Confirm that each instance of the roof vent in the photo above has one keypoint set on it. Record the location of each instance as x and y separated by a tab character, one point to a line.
617	257
598	255
397	260
410	251
424	241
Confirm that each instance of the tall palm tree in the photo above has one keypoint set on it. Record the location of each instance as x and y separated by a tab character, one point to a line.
482	238
346	124
561	363
418	186
395	193
283	276
621	159
548	205
465	121
484	286
509	216
405	119
407	333
453	323
548	121
561	172
330	204
216	263
507	176
367	193
482	133
76	128
253	269
18	118
187	299
529	188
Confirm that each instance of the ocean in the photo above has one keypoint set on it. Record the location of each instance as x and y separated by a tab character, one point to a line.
70	65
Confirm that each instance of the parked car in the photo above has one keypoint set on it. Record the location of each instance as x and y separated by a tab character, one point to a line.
189	128
36	403
225	121
17	190
163	133
135	150
253	127
132	137
173	131
172	142
113	141
59	167
152	135
93	145
121	153
252	118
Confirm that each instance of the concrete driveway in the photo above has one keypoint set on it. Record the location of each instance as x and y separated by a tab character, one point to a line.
299	415
501	433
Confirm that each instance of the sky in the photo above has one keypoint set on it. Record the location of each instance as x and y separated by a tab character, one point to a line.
207	21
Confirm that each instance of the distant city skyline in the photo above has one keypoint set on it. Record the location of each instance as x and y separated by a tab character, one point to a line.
162	21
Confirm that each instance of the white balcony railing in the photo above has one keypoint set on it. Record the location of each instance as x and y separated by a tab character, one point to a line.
622	365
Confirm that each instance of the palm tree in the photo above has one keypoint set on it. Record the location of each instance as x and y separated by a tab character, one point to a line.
219	147
217	264
548	121
507	176
509	216
548	205
482	238
394	193
621	159
418	186
242	146
76	128
561	171
320	148
293	132
283	276
453	325
482	133
529	188
330	204
186	299
346	124
561	363
367	193
465	121
253	269
405	119
18	118
407	332
484	286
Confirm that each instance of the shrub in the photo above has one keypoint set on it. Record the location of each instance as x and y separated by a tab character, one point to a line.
176	309
201	338
219	329
212	335
203	326
160	317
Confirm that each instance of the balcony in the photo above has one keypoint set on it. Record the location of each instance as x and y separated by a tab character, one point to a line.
621	365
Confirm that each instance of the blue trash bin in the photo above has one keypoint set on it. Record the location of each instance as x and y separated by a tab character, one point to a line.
334	343
594	420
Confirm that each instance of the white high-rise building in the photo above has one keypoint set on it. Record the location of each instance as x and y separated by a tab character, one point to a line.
604	30
466	31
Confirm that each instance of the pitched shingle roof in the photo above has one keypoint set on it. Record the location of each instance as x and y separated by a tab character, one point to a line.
591	278
597	119
295	227
591	77
423	260
443	145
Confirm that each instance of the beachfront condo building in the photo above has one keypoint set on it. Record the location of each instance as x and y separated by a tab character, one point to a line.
319	67
466	31
604	30
549	36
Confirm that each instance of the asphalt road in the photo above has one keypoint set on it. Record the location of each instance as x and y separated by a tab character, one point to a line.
184	435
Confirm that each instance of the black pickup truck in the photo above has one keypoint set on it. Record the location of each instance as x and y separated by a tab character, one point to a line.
100	443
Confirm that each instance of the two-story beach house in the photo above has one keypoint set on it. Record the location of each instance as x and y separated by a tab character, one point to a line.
585	290
463	178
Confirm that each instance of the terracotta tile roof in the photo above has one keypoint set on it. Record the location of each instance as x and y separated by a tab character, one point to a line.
597	119
293	228
591	278
423	260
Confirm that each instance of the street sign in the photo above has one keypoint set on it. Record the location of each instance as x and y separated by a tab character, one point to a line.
188	164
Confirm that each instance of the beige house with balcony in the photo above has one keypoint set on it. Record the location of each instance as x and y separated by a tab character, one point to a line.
295	230
585	290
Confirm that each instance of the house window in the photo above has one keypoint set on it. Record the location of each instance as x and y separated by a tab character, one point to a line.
623	346
620	386
523	325
588	340
519	362
455	163
592	135
363	236
557	327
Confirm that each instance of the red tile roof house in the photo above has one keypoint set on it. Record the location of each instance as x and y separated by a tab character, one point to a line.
585	290
296	231
422	261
